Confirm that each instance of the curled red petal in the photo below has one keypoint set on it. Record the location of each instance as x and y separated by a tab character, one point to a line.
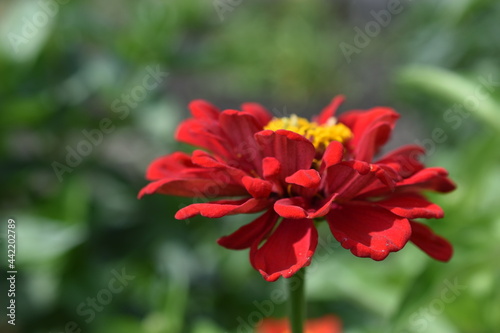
299	207
258	188
368	230
221	208
250	233
435	179
289	248
411	206
435	246
371	129
291	208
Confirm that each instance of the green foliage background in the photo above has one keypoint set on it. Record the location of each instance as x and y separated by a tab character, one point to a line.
64	75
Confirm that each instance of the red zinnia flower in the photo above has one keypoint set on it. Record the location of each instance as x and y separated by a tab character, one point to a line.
295	171
327	324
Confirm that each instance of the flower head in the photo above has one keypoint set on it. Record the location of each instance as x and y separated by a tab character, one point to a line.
326	324
296	172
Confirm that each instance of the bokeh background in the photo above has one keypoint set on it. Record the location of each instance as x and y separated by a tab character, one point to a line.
121	73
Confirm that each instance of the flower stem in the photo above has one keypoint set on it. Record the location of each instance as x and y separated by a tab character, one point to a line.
297	311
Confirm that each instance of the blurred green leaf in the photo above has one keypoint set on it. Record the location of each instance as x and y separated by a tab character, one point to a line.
206	326
26	111
41	240
25	27
120	324
445	84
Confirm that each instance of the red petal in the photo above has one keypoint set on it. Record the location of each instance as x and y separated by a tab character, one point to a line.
334	154
305	178
204	133
203	110
291	208
435	246
371	129
245	236
368	230
271	171
169	165
385	174
405	160
292	150
428	179
330	110
205	160
270	325
348	179
240	127
258	188
326	324
259	112
289	248
271	168
434	179
176	174
412	206
342	179
299	208
192	187
221	208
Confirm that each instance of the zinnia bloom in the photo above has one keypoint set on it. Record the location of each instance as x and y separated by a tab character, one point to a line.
327	324
295	172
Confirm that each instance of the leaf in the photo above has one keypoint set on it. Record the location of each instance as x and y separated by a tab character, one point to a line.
25	28
42	239
475	96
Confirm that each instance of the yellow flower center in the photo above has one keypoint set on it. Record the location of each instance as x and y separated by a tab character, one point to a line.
319	135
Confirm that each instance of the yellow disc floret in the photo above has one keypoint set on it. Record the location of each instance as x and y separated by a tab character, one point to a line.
319	135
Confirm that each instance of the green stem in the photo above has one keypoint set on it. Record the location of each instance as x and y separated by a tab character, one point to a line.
297	314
